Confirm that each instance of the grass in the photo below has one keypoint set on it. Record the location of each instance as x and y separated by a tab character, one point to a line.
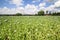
29	27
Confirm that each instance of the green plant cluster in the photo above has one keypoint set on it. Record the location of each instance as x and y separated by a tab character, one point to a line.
29	28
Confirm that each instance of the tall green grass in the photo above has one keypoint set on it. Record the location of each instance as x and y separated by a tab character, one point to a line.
30	27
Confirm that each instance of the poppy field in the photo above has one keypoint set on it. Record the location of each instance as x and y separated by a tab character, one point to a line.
29	27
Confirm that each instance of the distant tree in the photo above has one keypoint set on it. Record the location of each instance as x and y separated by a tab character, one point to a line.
56	14
46	12
50	13
41	12
36	14
18	14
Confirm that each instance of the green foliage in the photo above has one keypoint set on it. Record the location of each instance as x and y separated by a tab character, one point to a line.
41	12
18	14
36	14
58	13
30	28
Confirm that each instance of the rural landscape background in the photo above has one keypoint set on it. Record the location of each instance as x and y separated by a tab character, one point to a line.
29	19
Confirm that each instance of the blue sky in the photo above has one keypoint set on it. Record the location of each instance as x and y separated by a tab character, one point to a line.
6	3
28	6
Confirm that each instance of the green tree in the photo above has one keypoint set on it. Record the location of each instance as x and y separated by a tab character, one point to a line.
41	12
36	14
18	14
56	14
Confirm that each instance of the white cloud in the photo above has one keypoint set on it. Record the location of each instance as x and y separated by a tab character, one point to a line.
36	1
57	4
54	6
16	2
33	1
50	8
42	4
6	10
28	9
50	0
20	10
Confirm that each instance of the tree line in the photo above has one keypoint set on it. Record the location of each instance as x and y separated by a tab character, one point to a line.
40	13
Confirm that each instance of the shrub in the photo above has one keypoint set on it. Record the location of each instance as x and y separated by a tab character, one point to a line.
18	14
41	13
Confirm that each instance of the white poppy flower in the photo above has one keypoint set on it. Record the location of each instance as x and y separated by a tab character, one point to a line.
14	30
6	20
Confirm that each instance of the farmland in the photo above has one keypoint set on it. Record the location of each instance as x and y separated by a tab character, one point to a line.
30	27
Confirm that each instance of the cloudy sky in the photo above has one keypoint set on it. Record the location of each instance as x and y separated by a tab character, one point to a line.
28	6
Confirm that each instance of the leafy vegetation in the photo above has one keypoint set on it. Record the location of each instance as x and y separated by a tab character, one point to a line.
41	13
29	27
56	14
18	14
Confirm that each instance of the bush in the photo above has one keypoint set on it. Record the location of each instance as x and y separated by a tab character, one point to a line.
56	13
18	14
41	13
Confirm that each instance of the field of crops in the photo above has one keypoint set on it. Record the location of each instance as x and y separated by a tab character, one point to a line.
29	27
